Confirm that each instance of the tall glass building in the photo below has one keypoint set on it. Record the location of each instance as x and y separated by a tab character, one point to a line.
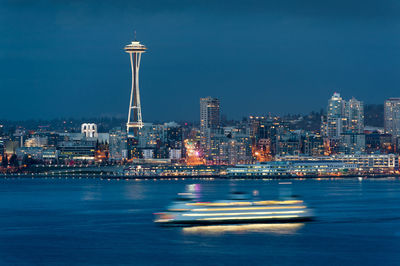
392	116
334	119
209	114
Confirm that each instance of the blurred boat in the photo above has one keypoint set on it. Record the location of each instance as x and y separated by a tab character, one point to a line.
239	209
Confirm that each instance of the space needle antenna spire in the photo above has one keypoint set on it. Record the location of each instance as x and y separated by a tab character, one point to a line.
135	123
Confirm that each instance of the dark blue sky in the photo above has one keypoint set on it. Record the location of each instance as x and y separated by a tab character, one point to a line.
65	58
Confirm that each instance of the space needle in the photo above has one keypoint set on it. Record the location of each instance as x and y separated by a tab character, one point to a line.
135	50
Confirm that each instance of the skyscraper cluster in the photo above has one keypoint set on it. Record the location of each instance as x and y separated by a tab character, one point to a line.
344	125
221	144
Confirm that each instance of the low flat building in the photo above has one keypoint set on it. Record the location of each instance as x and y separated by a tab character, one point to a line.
371	163
50	154
294	168
33	152
77	150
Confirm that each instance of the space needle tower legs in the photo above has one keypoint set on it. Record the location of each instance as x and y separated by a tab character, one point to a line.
135	50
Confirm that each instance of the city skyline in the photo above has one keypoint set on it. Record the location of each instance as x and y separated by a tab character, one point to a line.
74	55
251	132
341	132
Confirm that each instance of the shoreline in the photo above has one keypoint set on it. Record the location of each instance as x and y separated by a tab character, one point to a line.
183	177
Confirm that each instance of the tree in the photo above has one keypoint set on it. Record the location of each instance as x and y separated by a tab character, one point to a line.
4	161
14	161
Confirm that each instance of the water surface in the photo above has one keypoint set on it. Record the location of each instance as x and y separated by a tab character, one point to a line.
94	221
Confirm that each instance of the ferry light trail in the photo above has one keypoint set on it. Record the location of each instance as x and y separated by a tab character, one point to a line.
240	213
250	208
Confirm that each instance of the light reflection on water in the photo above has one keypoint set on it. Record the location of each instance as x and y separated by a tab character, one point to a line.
278	229
134	191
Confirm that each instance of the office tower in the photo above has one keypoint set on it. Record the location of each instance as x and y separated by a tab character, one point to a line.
135	50
209	122
392	117
209	114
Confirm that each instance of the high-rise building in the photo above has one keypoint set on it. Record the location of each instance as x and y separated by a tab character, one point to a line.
151	135
209	122
313	145
392	117
209	114
334	118
135	50
288	143
354	114
229	146
118	145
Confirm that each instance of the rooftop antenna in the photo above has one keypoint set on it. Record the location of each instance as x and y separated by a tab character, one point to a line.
135	35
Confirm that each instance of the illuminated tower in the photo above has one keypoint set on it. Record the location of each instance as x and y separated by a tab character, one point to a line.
135	50
209	120
209	114
335	114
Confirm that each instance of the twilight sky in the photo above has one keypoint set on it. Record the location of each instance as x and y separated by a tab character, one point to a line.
65	58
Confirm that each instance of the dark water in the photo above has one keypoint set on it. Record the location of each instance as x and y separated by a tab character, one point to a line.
93	221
